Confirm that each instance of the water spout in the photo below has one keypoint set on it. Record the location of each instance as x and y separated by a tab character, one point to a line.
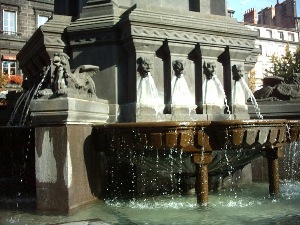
213	90
181	94
241	91
147	93
253	100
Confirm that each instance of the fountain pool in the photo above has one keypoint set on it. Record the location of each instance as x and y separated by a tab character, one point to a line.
250	205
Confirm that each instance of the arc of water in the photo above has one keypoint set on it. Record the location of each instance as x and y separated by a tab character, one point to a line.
143	84
139	90
26	98
253	100
26	107
181	94
42	81
173	88
38	87
221	88
17	105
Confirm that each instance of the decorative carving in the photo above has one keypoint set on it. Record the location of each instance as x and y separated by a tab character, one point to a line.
237	72
181	94
147	93
187	36
213	91
60	81
275	88
209	70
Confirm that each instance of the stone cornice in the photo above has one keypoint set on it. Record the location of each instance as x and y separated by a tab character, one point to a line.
211	39
93	23
142	24
49	38
215	30
57	25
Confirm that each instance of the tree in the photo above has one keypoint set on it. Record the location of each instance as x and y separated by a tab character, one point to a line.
285	65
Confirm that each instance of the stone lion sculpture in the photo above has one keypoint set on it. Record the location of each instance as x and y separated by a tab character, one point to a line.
64	82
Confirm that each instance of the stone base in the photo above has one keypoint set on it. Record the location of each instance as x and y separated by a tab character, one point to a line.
66	167
145	113
68	111
218	117
214	112
213	109
240	112
276	109
183	113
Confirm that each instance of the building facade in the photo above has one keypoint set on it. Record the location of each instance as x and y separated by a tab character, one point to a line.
19	20
277	27
271	41
281	15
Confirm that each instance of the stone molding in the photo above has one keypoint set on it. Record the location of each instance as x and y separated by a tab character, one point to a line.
68	111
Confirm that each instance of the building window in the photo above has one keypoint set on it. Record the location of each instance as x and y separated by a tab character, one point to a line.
291	37
9	68
41	20
281	35
9	22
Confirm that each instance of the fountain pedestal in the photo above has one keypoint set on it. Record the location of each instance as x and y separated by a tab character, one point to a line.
68	111
66	161
66	164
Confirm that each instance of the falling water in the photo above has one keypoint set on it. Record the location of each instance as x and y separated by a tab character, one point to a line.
147	93
181	94
181	97
132	172
213	93
26	108
24	101
141	158
221	89
226	155
172	160
292	161
180	170
253	100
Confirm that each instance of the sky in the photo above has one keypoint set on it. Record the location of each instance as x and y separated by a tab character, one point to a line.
240	6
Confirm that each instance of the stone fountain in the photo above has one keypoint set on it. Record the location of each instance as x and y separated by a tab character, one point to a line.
123	75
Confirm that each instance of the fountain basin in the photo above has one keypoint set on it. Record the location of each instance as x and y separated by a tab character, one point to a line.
200	136
207	142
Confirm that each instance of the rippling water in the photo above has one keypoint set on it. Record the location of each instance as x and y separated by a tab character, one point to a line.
244	206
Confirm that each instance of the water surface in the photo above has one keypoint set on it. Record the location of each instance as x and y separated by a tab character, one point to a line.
246	206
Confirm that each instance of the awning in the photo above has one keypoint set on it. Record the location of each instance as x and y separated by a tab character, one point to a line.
10	57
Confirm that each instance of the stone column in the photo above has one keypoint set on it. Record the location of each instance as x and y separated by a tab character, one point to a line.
272	155
201	161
